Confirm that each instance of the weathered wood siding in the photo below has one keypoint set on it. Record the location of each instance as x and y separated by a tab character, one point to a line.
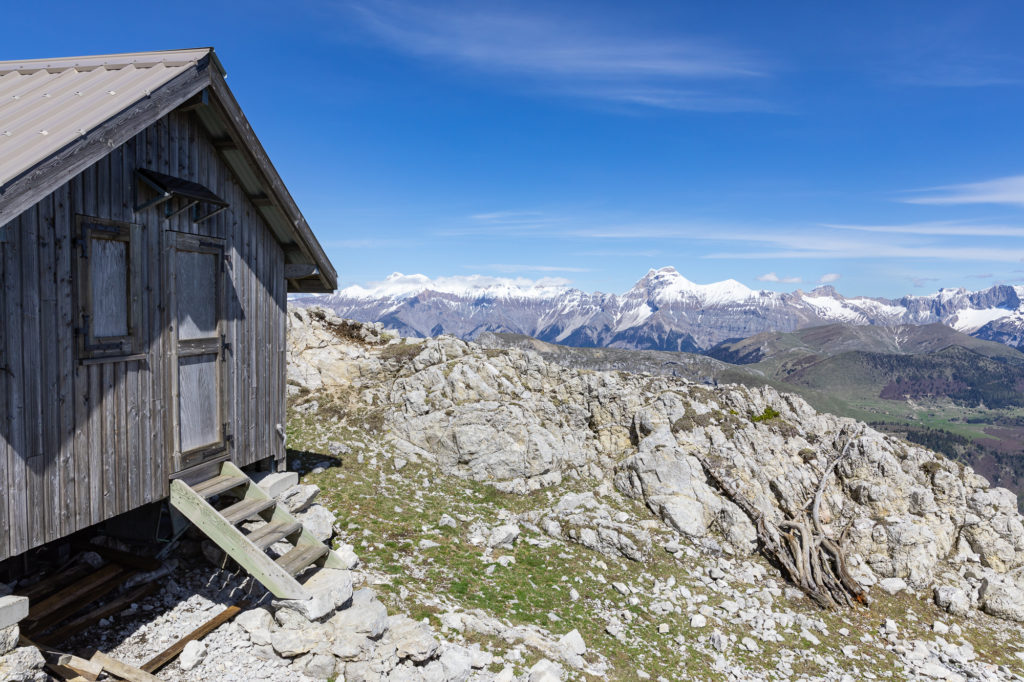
80	443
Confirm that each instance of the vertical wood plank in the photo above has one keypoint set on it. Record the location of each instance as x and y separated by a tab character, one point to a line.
80	388
6	426
65	358
17	502
49	488
35	460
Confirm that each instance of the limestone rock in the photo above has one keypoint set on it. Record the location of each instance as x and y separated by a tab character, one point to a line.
1003	599
319	521
503	536
413	640
24	664
192	655
9	638
365	616
297	498
330	589
952	599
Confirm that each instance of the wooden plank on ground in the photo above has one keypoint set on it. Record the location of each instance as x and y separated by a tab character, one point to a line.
74	592
89	670
114	606
65	666
121	669
54	582
168	655
48	620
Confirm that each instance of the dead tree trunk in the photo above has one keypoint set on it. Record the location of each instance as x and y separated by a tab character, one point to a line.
808	558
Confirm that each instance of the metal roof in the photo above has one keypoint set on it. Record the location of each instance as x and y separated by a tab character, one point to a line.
57	116
45	104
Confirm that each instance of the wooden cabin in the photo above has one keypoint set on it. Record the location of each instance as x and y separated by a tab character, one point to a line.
147	248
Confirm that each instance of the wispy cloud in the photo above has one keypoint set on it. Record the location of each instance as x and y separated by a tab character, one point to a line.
772	277
366	243
986	275
509	268
1006	190
620	254
828	278
574	58
923	281
875	251
938	228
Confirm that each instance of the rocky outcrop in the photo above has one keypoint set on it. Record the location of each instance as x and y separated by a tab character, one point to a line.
512	420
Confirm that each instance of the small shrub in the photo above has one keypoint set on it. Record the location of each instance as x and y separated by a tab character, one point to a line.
767	415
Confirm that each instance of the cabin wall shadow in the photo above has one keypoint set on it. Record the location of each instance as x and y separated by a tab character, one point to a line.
83	442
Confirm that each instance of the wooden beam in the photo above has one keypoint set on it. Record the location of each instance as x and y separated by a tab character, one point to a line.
73	592
90	670
48	620
300	270
121	669
115	606
169	654
225	102
223	143
54	582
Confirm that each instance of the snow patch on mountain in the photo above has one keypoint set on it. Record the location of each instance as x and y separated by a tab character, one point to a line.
970	319
400	286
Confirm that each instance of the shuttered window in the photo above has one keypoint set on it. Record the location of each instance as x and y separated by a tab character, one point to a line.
107	288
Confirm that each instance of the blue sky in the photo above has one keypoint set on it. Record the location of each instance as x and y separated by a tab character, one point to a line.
878	146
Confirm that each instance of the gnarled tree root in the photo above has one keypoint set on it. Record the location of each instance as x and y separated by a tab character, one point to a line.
809	559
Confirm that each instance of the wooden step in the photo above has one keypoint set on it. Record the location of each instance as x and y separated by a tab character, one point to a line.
219	484
301	557
267	535
240	511
249	549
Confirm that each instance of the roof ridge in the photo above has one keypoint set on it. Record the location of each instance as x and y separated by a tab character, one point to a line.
117	60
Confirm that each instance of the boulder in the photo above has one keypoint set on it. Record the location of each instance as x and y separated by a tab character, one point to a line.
1002	599
503	536
330	588
258	623
297	498
9	638
412	640
24	664
365	616
319	521
953	599
192	655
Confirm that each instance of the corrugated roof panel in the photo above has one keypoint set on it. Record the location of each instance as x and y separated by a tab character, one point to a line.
46	104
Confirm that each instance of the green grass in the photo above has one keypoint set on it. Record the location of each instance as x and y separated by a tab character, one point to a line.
385	514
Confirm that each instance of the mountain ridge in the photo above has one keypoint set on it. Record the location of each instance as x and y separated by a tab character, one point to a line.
663	311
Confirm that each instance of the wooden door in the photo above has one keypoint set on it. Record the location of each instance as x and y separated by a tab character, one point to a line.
197	348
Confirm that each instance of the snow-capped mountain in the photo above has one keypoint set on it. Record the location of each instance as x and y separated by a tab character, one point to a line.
663	311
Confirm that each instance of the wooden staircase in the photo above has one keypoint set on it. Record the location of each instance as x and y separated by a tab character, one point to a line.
246	501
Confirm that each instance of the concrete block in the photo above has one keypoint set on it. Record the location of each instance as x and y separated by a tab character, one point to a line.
276	483
12	610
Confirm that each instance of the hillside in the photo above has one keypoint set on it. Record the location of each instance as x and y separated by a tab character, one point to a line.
929	384
511	502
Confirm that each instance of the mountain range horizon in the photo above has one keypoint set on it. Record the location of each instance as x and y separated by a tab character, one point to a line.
663	311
